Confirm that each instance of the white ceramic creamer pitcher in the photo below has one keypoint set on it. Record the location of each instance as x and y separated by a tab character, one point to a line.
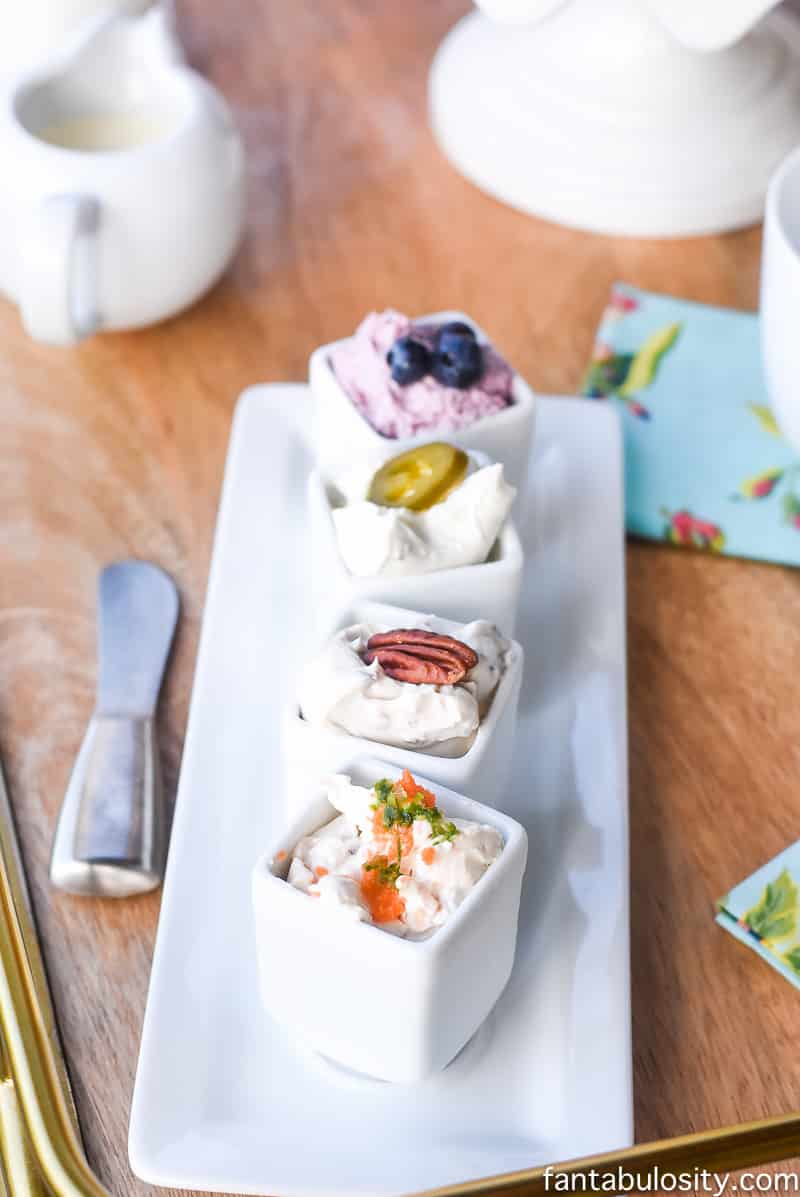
37	28
121	190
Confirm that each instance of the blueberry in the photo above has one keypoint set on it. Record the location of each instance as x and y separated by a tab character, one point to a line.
408	360
457	360
459	328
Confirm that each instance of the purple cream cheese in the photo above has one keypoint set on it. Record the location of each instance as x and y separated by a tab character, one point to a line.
396	411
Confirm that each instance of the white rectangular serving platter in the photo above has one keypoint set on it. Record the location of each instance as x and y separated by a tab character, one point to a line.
224	1100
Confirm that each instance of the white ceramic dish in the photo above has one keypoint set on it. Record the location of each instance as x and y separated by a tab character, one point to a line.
481	772
486	591
448	982
342	432
224	1099
99	128
780	295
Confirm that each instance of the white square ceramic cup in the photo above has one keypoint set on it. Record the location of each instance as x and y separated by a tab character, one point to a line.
489	590
482	772
341	433
391	1008
780	296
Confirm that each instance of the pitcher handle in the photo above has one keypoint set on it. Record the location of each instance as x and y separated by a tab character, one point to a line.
58	289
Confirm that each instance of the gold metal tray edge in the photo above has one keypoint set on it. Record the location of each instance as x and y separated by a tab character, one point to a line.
44	1101
30	1038
729	1149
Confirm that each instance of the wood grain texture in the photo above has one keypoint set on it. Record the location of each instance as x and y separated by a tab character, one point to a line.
117	448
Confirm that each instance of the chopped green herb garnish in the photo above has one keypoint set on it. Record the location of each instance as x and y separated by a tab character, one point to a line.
400	810
442	829
404	815
383	789
388	873
448	832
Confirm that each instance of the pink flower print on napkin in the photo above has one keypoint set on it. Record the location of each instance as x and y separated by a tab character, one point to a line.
687	531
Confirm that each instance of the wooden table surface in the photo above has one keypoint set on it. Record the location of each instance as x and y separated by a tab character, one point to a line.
117	448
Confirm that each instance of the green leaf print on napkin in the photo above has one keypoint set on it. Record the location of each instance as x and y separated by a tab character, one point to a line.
763	912
624	375
775	914
766	419
791	509
785	479
792	958
647	360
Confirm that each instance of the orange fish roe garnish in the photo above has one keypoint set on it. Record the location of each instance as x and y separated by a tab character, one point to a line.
321	871
394	842
381	896
428	855
281	855
413	790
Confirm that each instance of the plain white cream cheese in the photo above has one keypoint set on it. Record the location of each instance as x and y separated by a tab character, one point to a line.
396	542
338	690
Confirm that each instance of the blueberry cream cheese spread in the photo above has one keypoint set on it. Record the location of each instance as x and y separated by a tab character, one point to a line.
406	377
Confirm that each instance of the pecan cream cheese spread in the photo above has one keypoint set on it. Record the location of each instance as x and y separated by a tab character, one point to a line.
396	541
408	687
391	857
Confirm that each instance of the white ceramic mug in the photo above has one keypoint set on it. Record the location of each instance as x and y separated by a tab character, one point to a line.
122	197
780	296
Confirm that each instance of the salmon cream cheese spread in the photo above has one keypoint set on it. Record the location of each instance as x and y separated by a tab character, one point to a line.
391	858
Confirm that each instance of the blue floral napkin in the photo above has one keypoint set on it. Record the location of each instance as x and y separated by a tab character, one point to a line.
706	467
763	913
705	464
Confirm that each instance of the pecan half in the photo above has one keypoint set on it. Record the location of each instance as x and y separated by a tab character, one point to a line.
417	656
419	637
